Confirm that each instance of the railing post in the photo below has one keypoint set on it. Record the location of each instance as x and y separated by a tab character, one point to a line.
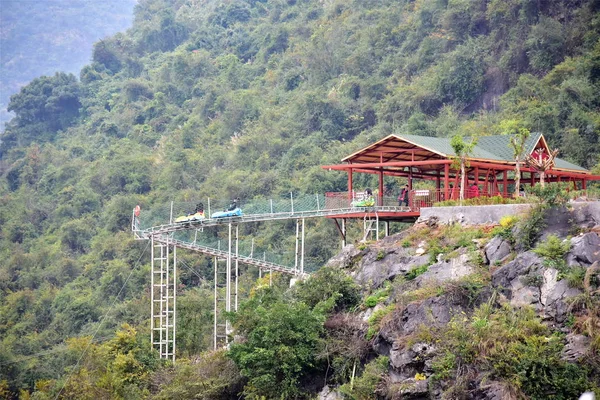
318	206
292	201
209	207
271	200
171	215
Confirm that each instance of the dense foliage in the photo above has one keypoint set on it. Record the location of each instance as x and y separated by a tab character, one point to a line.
43	37
247	99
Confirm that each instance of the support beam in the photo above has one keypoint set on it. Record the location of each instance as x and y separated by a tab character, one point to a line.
380	194
350	183
237	265
302	253
446	181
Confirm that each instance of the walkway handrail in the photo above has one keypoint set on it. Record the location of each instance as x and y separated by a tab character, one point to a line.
224	254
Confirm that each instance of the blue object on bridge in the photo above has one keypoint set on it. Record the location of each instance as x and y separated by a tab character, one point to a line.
237	212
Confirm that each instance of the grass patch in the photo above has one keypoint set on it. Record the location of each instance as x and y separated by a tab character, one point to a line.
376	318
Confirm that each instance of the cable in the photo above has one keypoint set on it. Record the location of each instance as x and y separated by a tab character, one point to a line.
50	351
101	322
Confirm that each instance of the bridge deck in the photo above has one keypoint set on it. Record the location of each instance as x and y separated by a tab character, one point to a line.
388	213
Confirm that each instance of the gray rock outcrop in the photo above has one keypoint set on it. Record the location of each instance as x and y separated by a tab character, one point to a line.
496	250
377	266
586	248
576	348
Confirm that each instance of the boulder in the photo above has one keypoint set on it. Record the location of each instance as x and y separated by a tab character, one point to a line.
446	270
508	275
577	347
409	361
558	222
587	214
408	389
490	391
586	248
433	312
346	258
329	394
496	250
553	296
373	270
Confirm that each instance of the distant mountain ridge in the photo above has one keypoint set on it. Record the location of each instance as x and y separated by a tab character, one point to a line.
43	37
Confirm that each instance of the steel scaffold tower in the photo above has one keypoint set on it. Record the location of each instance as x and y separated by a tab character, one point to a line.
370	225
223	283
163	299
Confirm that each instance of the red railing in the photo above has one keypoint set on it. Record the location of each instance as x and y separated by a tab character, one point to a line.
417	199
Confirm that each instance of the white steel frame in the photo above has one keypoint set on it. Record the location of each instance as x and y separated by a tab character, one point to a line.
163	299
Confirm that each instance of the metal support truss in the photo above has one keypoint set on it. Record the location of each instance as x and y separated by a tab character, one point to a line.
299	267
225	291
370	225
163	299
220	337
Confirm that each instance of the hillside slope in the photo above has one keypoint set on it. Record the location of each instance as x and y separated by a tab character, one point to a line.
40	38
247	99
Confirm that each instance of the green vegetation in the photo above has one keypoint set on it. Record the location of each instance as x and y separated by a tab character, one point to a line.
512	346
280	344
364	387
379	296
44	37
248	99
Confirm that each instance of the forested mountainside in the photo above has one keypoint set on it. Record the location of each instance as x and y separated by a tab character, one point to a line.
42	37
247	98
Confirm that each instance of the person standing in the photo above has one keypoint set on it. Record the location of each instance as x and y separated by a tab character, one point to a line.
474	189
403	198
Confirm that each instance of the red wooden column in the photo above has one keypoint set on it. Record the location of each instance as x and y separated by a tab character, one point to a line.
446	181
350	183
532	176
486	183
583	184
380	195
505	183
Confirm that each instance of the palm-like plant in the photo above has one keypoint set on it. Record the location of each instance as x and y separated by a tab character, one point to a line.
462	150
540	163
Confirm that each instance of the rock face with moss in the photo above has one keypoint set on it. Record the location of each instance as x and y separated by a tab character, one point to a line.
472	317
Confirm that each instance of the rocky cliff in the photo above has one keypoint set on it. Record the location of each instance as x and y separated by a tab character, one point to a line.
463	311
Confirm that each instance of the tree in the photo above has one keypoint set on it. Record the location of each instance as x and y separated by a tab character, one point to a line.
462	150
541	162
280	344
518	138
45	106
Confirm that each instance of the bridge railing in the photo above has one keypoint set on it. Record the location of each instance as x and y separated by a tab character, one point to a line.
246	248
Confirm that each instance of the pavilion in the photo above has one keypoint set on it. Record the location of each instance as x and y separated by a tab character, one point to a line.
432	158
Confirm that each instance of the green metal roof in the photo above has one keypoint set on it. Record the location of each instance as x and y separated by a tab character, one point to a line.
496	148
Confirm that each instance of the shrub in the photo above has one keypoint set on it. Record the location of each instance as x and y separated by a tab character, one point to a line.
551	194
376	318
364	387
413	273
511	346
553	248
529	228
326	283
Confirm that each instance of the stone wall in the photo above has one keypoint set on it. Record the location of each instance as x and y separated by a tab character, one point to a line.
480	215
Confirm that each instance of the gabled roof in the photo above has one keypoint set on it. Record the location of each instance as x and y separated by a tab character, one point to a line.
488	148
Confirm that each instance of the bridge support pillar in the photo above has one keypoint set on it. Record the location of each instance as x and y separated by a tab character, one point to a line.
299	259
163	298
222	286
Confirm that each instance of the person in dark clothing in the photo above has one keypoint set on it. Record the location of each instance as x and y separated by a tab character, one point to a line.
199	208
403	198
233	205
